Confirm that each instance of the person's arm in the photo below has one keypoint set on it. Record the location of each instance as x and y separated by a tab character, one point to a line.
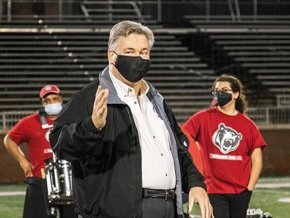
15	151
256	167
190	174
196	187
75	132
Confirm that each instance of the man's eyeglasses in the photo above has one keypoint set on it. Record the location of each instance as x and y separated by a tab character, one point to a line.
214	92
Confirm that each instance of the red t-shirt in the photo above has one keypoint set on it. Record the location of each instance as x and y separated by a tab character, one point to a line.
29	130
226	144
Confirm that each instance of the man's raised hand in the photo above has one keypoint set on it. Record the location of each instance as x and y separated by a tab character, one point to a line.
100	109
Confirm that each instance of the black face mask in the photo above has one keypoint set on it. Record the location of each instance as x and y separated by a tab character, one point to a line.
132	68
223	98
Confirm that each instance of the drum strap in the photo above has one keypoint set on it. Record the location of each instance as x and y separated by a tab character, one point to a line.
44	124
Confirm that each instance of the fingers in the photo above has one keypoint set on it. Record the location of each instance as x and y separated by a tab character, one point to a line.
190	205
31	166
202	210
28	172
208	209
27	168
100	108
198	195
98	90
100	104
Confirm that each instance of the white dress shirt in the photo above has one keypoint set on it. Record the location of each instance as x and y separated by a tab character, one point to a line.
157	161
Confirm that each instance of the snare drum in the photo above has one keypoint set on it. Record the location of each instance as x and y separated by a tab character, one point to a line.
58	175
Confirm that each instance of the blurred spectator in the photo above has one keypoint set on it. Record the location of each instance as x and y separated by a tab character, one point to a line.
34	129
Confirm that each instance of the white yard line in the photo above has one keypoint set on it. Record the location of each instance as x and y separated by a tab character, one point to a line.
273	185
279	192
13	193
285	200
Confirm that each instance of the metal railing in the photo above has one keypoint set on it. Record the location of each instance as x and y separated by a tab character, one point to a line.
270	115
9	118
111	5
261	116
283	100
11	10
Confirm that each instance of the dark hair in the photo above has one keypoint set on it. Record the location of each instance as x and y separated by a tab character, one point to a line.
236	86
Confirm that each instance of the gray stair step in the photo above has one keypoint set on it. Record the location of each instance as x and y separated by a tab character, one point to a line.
269	71
262	59
265	65
253	42
259	53
250	37
280	90
257	48
274	77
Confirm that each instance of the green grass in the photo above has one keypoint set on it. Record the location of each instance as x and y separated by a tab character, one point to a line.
266	199
11	207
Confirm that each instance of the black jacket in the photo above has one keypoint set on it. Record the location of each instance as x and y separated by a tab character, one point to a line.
107	163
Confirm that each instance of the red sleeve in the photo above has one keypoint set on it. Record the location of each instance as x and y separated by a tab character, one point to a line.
194	151
18	133
192	126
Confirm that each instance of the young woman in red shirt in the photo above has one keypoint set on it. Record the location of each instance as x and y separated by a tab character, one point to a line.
231	147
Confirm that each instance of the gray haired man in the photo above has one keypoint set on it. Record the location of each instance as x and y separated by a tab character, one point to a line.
123	140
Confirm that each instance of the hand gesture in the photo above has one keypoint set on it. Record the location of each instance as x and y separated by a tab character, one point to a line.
100	109
27	167
199	195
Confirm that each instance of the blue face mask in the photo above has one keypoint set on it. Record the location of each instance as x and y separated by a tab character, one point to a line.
53	109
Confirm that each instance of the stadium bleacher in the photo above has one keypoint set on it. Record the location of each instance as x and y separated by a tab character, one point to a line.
72	50
72	59
261	48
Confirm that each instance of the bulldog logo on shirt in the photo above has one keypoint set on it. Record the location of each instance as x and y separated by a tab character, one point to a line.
226	139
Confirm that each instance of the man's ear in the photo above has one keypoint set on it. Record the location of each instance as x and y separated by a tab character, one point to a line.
110	55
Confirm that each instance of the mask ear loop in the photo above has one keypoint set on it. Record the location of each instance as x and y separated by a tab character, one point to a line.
115	61
115	52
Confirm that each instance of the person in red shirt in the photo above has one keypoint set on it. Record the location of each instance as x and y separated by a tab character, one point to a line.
34	130
231	146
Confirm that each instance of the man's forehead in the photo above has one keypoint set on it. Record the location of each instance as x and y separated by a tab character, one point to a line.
133	41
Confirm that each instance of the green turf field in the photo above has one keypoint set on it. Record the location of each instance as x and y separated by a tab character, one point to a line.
266	199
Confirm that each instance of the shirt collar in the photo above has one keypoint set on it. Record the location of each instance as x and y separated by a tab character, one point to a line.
124	89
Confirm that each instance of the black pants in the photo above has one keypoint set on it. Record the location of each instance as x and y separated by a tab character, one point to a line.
36	202
158	208
230	205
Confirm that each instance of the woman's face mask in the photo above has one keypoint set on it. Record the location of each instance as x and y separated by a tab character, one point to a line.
223	97
53	109
132	68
